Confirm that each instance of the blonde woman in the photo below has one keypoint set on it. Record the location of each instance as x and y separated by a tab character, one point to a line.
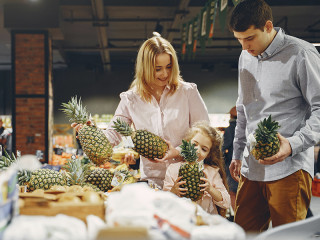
159	101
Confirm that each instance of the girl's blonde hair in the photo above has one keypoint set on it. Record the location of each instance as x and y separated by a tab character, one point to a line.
215	156
145	66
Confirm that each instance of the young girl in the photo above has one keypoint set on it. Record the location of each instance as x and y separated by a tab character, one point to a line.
207	140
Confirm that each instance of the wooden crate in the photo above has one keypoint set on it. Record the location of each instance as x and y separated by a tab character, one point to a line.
46	206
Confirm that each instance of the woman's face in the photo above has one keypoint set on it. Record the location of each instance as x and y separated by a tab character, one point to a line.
203	145
162	70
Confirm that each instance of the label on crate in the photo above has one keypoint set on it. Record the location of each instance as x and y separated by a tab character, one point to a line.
118	179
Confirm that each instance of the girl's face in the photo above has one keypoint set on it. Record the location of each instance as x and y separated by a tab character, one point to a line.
203	144
162	70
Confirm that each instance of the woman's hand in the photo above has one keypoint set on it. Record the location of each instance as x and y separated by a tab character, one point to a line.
170	154
177	189
78	126
128	159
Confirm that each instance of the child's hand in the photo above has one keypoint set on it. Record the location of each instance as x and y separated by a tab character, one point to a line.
206	186
176	189
210	188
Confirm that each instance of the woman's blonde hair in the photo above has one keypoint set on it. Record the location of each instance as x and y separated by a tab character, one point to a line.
215	156
145	66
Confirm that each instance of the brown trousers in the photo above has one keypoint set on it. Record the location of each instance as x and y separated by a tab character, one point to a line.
281	201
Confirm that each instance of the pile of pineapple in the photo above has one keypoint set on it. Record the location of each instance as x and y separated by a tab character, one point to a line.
76	174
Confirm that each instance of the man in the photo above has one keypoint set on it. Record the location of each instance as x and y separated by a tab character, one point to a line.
279	75
227	149
3	135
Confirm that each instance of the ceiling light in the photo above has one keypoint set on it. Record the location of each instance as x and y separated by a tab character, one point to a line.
316	44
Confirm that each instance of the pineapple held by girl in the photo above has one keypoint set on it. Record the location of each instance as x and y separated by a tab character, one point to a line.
145	143
191	171
267	141
93	141
202	177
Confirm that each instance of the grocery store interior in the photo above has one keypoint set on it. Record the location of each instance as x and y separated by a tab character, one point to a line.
52	50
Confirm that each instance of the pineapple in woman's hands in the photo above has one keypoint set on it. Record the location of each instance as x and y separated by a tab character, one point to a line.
145	143
93	141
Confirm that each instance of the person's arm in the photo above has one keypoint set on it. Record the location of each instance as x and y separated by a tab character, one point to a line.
123	113
197	107
216	189
172	181
308	79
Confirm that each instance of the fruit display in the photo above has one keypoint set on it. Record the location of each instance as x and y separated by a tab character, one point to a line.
190	171
267	141
145	143
93	141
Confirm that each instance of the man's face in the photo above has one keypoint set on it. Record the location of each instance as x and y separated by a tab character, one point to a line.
254	40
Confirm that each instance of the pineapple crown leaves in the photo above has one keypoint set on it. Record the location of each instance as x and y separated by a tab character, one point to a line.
188	151
267	129
122	127
75	111
7	160
76	171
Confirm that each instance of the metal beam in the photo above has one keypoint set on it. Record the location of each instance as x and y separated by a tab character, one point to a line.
178	18
118	20
99	14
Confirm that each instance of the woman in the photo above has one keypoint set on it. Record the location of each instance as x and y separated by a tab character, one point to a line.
159	101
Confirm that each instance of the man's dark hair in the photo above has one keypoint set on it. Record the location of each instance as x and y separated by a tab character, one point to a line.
250	13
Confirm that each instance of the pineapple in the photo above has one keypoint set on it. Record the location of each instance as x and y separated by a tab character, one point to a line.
77	173
267	141
38	179
100	178
145	143
93	141
190	171
45	179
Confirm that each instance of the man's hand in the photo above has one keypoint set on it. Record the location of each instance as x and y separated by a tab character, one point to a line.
284	151
235	167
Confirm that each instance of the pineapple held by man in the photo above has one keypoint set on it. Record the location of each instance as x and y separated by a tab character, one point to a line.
38	179
145	143
190	171
93	141
267	141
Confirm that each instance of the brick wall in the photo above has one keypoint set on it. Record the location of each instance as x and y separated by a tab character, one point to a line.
31	110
